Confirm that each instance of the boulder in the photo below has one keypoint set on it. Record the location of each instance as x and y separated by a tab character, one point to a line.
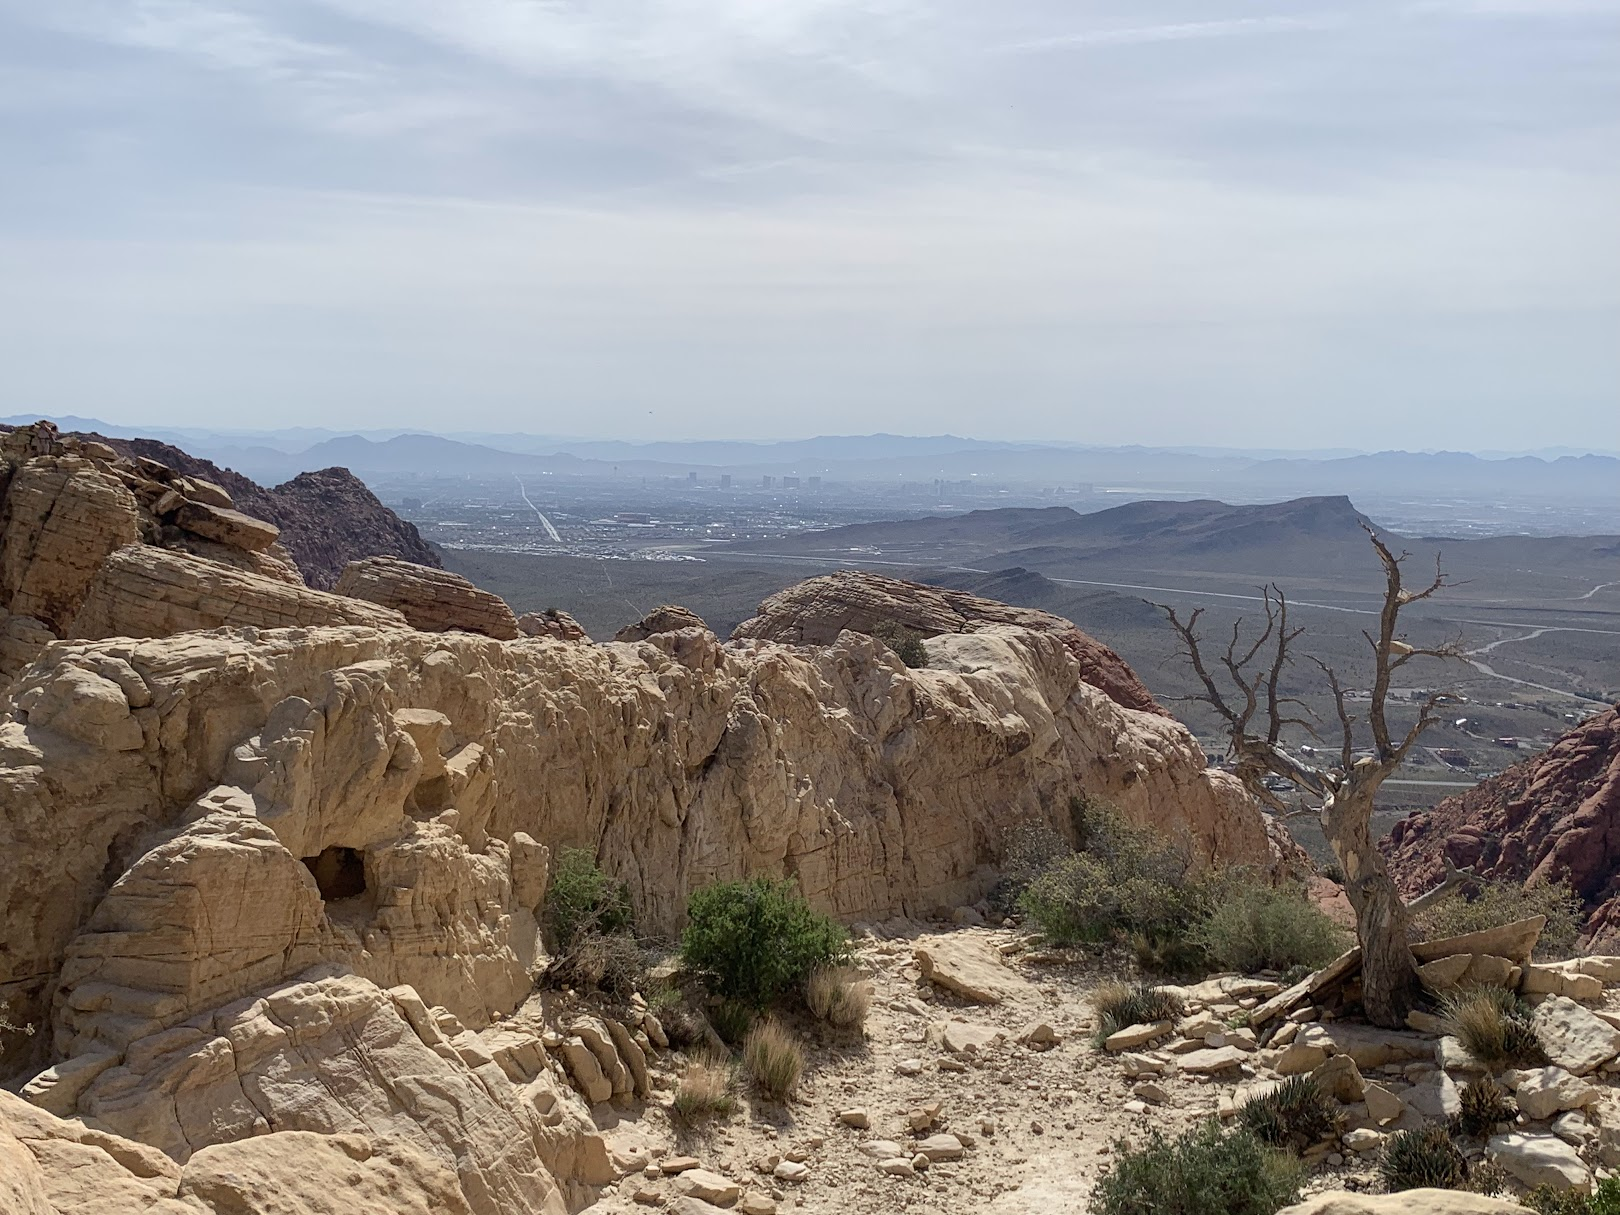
1434	1096
225	526
432	600
1369	1047
1555	980
961	1038
972	968
708	1187
1537	1160
1544	1091
1574	1038
1212	1061
1515	941
669	618
1341	1078
553	623
1383	1106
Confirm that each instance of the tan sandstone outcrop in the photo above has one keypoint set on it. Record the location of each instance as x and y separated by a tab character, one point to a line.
141	591
430	599
553	622
815	611
169	764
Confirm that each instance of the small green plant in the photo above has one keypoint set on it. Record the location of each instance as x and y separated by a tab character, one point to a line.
1295	1114
757	940
906	643
1121	1004
774	1059
705	1089
1027	850
1493	1025
1206	1171
732	1019
838	995
1253	925
1422	1158
1490	1179
1484	1104
1496	903
1605	1200
583	901
1126	883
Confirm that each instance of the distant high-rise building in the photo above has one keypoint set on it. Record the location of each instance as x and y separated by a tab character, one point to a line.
815	482
790	483
691	478
766	481
725	480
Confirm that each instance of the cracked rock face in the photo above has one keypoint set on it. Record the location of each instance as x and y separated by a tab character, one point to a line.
1554	815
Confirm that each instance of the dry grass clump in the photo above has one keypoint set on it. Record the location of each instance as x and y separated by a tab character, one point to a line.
1120	1004
705	1090
838	995
1493	1026
773	1058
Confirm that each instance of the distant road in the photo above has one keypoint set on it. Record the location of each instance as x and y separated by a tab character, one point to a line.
544	522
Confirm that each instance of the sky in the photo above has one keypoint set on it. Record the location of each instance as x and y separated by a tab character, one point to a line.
1386	224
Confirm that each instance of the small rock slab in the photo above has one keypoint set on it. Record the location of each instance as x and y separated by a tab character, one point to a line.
1544	1091
962	1038
1210	1062
1515	941
1383	1106
1539	1160
973	969
941	1147
710	1187
1133	1036
1574	1038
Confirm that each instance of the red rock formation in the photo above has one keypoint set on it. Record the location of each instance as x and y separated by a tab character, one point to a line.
815	611
1553	816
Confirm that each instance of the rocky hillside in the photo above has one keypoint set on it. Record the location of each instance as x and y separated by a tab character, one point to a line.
816	610
271	857
327	518
1555	815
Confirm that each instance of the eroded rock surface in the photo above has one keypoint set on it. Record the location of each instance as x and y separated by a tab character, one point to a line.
816	610
433	600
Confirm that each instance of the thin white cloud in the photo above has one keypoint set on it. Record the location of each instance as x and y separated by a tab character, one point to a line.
1235	27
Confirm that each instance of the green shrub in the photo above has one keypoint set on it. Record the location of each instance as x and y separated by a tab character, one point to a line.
732	1019
906	643
1417	1159
1121	1004
1027	850
1496	903
1205	1171
1126	882
1255	926
1484	1104
1295	1114
1605	1200
583	901
756	940
1493	1025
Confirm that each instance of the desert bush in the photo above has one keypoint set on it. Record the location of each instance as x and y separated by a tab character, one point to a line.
906	643
1252	926
583	901
756	940
1120	1004
732	1019
1490	1179
1495	903
8	1026
1484	1104
774	1059
1493	1025
613	964
838	995
1294	1114
1125	882
1605	1200
1027	850
705	1089
1206	1171
1417	1159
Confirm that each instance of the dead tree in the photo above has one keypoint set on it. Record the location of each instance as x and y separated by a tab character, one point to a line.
1244	689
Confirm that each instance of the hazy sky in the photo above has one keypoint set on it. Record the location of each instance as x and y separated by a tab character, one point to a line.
1381	224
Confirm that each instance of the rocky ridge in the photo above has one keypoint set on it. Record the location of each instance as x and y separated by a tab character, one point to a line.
327	518
1554	816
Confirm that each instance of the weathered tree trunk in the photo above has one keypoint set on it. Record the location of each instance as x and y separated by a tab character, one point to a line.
1389	979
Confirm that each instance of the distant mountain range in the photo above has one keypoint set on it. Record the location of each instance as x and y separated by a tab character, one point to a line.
274	456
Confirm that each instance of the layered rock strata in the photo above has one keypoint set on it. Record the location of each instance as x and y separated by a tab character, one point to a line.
432	600
816	610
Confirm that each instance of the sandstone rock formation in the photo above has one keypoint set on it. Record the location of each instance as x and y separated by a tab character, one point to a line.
327	518
816	610
668	618
432	600
148	592
1553	816
553	622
